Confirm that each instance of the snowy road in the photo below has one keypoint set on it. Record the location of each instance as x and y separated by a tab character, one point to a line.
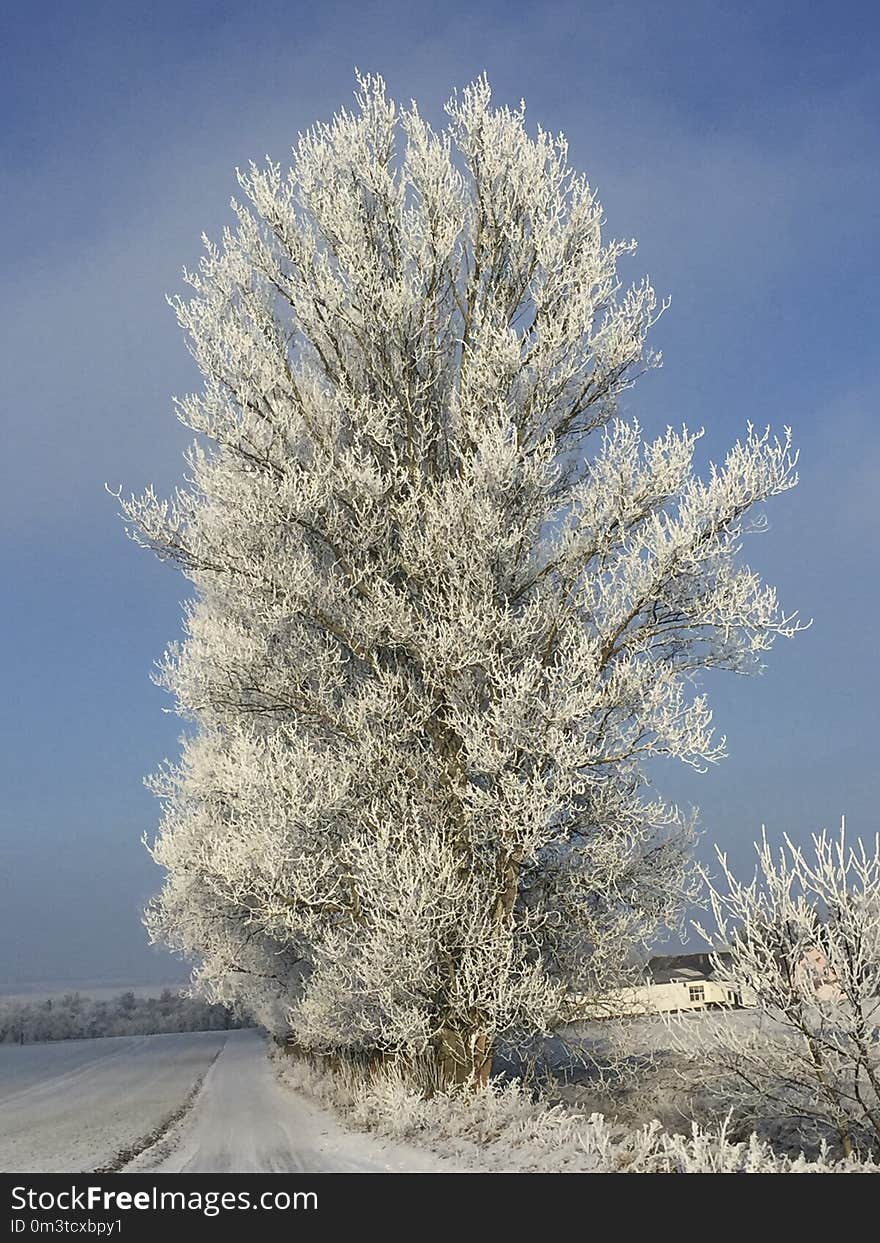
245	1121
89	1105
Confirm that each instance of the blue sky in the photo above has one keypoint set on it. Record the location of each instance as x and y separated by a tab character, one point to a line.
736	141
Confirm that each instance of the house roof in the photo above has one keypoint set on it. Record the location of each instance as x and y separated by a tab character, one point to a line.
665	968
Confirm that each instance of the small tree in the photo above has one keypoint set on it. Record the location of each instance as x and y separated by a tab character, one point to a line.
438	627
804	942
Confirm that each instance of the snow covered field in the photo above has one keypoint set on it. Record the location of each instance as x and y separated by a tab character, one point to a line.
76	1105
85	1104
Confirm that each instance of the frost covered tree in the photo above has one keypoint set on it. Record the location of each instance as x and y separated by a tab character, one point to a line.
804	938
447	603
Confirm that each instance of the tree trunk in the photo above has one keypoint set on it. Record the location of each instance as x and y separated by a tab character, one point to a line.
463	1058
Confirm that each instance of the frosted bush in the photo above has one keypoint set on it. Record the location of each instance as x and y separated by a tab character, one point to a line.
804	937
505	1127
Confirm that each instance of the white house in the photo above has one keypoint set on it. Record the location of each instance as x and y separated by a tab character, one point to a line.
681	982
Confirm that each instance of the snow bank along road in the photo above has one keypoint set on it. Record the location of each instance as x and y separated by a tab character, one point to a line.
92	1104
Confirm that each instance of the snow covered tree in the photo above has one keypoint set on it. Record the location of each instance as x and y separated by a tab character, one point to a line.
447	602
804	937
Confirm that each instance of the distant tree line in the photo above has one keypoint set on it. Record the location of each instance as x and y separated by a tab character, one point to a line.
74	1017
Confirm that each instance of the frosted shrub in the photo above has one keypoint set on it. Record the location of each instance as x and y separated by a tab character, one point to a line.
505	1127
804	939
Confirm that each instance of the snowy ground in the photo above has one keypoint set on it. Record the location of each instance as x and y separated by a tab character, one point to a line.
244	1120
88	1104
213	1102
77	1104
202	1101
